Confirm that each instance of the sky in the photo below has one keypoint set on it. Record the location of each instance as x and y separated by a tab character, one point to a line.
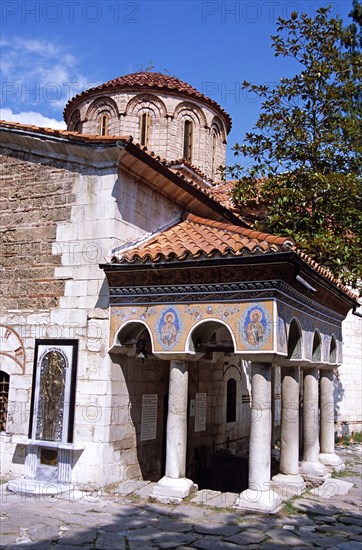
52	50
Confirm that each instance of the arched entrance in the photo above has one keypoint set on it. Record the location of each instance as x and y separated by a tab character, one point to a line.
143	380
218	420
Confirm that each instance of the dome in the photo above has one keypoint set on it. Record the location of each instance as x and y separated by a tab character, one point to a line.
152	82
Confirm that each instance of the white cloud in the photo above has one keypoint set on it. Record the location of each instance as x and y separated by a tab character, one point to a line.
31	117
39	73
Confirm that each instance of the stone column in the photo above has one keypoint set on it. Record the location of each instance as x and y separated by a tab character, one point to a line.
327	455
310	465
174	484
259	495
289	445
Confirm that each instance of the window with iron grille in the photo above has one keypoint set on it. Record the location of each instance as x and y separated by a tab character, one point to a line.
4	396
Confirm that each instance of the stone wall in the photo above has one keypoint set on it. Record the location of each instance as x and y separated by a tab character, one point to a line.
348	383
59	221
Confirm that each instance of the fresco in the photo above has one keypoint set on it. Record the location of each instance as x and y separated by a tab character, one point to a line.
251	324
255	326
169	328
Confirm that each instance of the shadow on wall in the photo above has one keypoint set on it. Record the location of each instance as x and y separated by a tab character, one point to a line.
338	394
141	207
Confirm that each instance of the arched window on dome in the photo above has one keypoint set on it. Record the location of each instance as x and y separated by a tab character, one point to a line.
188	131
75	124
145	126
4	396
104	124
214	138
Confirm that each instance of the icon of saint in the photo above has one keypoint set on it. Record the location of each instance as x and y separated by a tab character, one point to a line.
169	329
255	330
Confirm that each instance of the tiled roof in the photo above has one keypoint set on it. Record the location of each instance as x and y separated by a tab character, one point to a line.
185	181
221	193
327	274
152	81
196	237
183	166
52	132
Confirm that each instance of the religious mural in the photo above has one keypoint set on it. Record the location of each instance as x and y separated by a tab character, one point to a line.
169	327
53	390
255	326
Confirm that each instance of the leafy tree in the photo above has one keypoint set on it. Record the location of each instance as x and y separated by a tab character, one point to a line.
305	179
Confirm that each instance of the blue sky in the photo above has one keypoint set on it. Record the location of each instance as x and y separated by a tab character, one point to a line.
51	50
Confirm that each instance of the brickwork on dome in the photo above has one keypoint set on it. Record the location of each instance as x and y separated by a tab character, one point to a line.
169	103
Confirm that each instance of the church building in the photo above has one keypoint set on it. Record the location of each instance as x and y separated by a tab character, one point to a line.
147	331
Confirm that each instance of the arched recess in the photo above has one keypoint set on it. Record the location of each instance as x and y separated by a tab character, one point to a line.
317	347
295	340
134	335
218	126
142	102
333	350
102	105
75	123
210	335
232	392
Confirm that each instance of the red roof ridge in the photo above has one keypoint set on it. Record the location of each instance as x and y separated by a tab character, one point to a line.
63	133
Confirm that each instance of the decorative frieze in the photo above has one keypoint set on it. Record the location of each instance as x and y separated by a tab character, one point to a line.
219	292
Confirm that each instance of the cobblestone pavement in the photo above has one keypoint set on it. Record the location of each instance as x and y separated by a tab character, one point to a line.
329	517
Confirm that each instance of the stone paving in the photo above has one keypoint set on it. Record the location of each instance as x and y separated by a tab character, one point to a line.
326	517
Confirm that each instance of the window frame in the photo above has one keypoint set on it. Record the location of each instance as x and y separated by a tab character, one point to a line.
188	140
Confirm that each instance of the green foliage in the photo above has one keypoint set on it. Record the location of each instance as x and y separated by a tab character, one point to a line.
305	179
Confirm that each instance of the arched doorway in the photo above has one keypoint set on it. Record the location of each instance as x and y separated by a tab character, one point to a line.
143	381
218	428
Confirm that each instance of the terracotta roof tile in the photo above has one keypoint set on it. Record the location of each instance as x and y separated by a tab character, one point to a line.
195	237
52	132
327	274
152	81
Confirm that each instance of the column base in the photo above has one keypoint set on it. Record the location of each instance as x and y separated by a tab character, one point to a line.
313	473
288	485
333	460
260	501
169	488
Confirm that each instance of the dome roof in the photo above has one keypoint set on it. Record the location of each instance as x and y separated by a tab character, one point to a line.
154	82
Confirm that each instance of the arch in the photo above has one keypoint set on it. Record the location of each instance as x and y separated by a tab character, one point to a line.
217	125
131	332
142	102
295	340
100	105
317	347
188	109
75	123
333	350
201	336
